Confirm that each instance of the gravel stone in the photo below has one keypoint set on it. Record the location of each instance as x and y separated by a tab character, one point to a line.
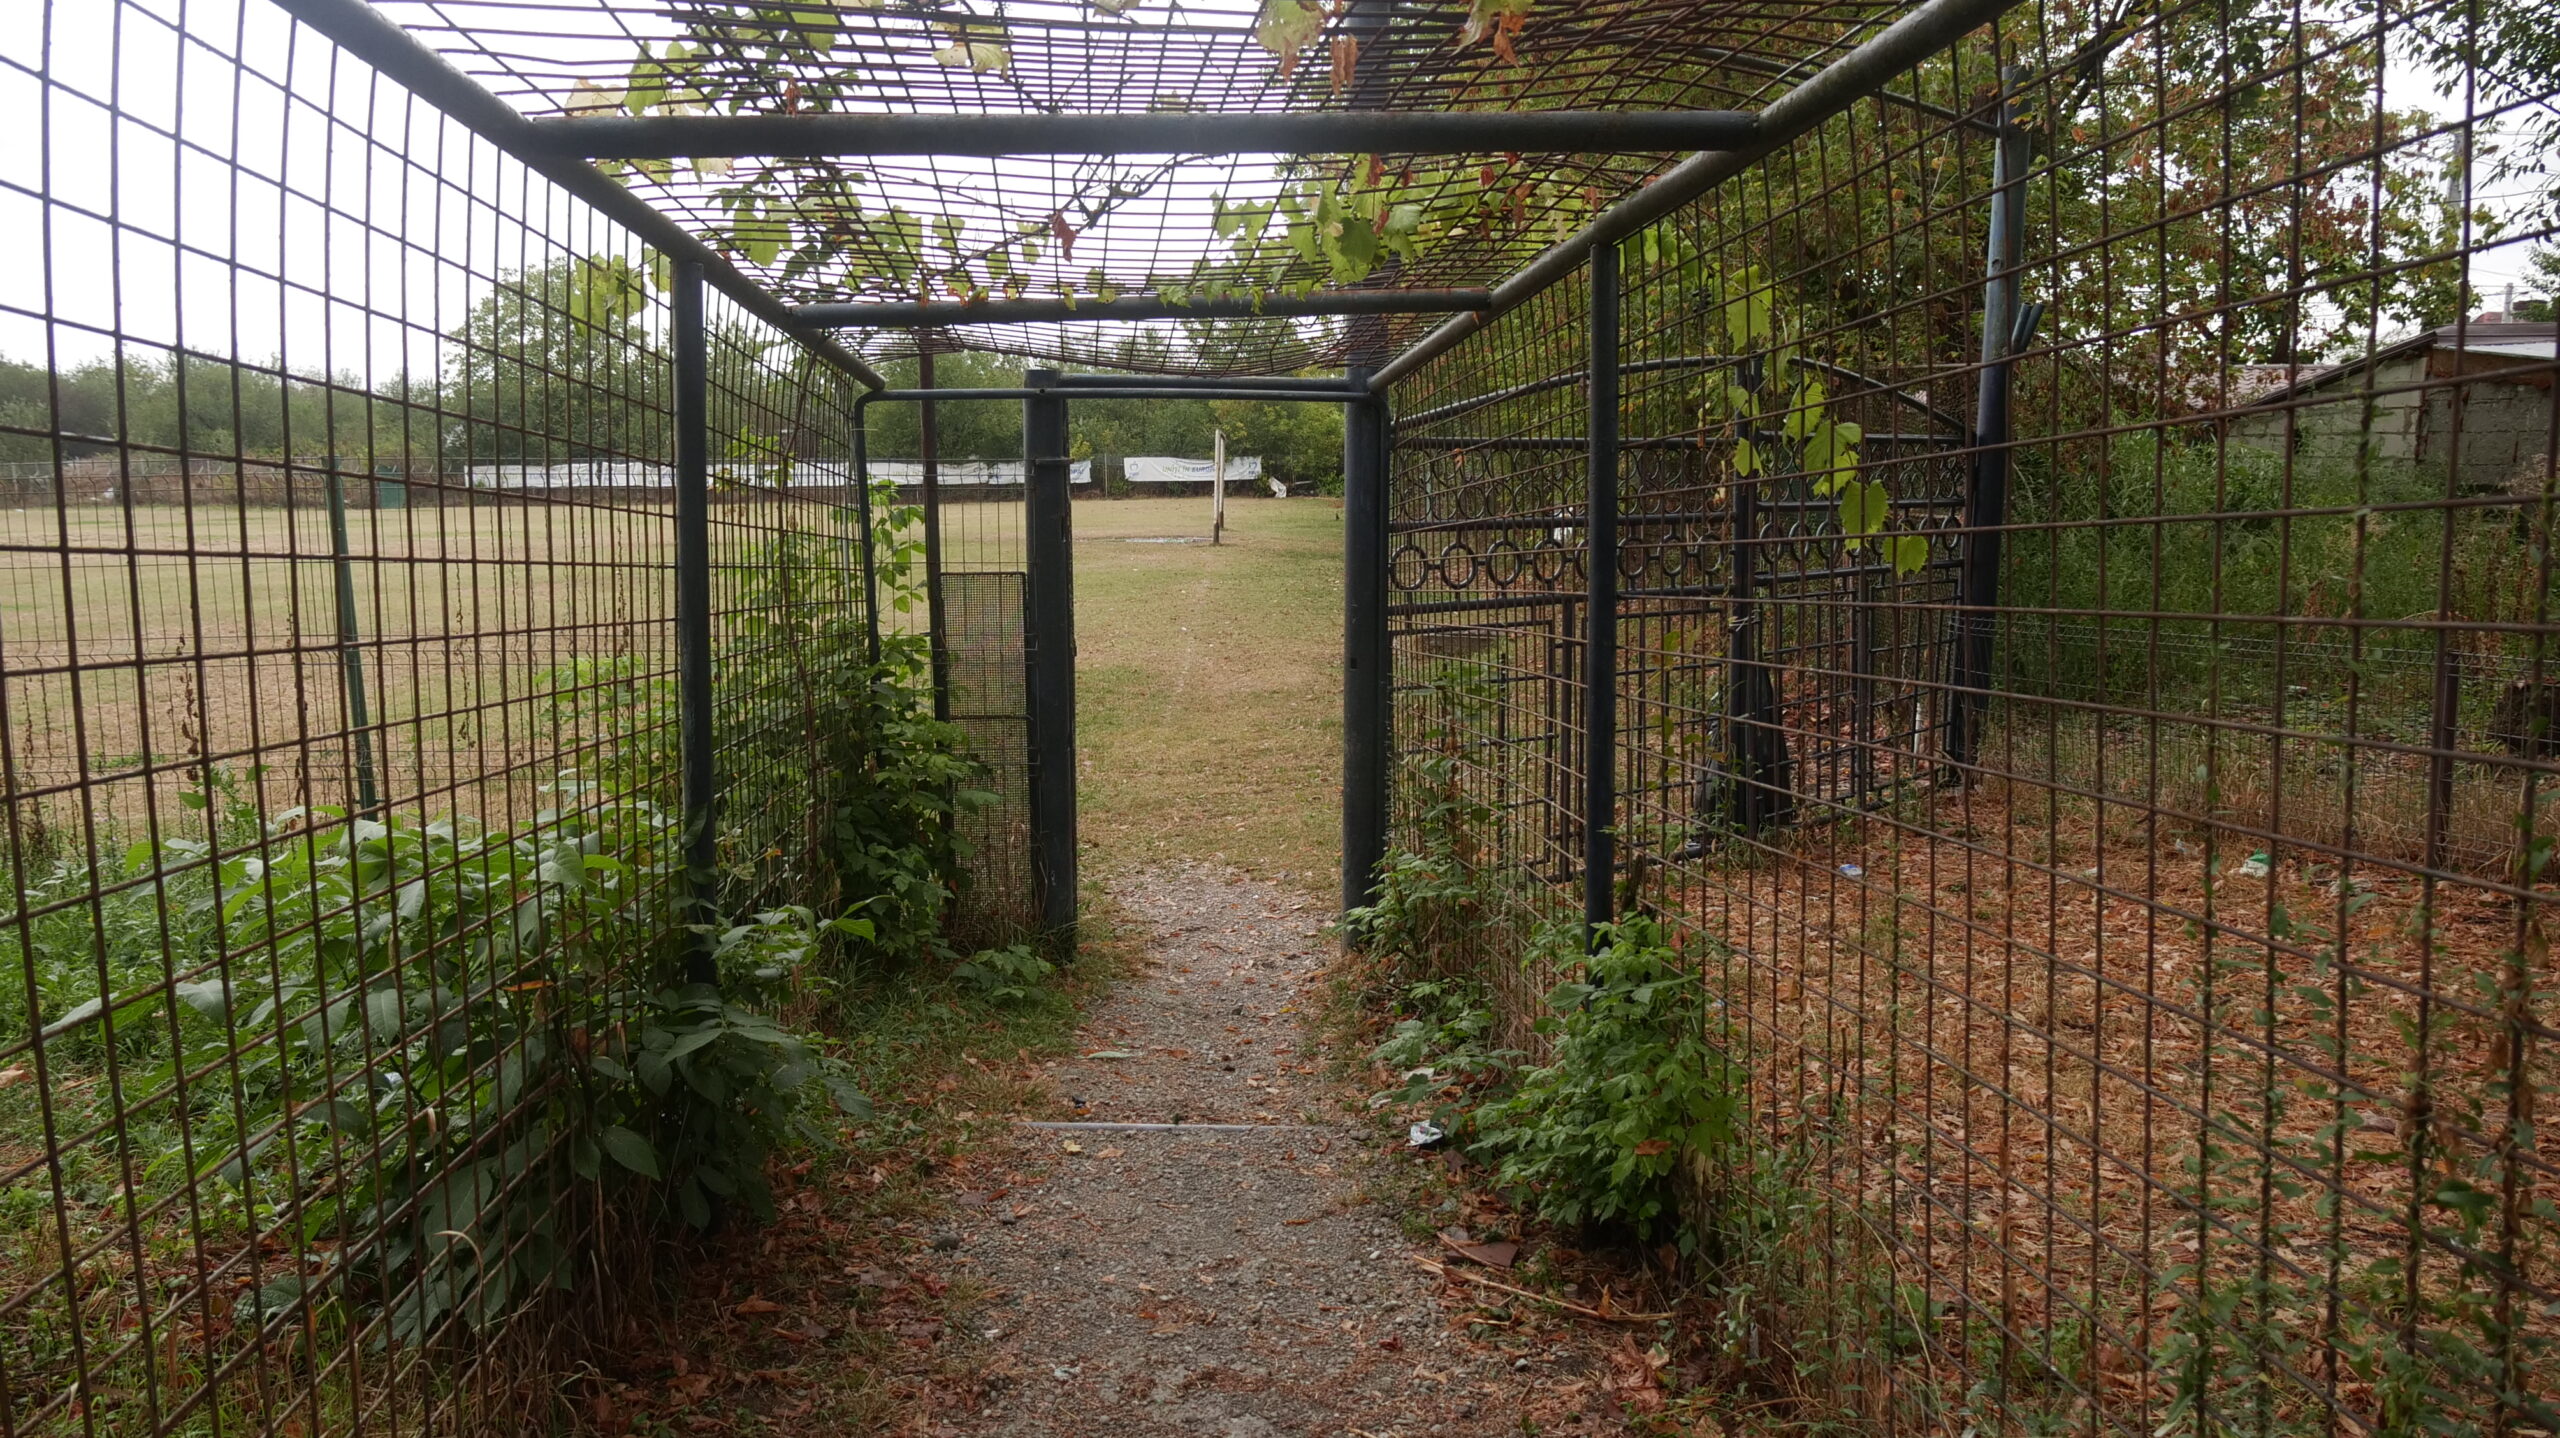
1222	1284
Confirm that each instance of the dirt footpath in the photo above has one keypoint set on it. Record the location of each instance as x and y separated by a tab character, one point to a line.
1222	1276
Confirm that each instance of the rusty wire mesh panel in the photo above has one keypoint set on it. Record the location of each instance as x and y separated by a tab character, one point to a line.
1486	585
986	634
2146	1034
1089	225
337	721
975	531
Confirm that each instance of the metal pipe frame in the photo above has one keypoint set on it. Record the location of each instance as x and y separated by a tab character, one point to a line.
696	740
862	516
1600	615
1049	596
1368	701
380	42
1309	387
1322	132
351	646
937	628
1986	506
1854	76
1226	390
934	314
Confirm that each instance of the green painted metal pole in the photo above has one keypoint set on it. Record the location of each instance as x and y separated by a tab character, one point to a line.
350	650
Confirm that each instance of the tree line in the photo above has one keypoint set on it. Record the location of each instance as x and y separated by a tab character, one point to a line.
569	362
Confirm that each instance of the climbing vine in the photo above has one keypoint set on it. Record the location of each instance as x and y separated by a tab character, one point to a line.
1777	411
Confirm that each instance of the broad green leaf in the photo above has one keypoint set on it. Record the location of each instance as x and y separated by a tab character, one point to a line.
1863	510
1748	315
210	998
630	1150
1286	27
981	56
1909	553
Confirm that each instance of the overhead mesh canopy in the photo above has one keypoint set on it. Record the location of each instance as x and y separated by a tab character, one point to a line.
944	228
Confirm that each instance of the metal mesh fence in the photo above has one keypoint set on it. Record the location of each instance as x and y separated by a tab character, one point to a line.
339	720
2086	720
1102	224
984	621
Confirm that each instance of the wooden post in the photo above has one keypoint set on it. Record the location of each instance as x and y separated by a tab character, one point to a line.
1217	486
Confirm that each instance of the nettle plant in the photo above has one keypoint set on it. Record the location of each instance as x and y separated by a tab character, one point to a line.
1598	1135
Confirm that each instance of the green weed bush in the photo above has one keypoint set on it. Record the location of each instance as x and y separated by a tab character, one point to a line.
446	1057
1598	1135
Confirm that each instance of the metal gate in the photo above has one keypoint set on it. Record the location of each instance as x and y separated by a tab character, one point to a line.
986	669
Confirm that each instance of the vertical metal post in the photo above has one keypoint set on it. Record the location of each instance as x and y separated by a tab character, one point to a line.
700	796
1050	587
1986	506
1600	616
929	452
862	517
350	657
1367	693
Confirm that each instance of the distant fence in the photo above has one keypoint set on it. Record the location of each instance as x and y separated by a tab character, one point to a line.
156	479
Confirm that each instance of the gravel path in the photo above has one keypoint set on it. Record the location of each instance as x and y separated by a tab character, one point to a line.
1218	1283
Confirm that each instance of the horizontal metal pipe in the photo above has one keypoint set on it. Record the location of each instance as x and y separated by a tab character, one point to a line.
365	33
1861	72
1323	132
1472	443
1850	380
929	314
1327	384
1138	391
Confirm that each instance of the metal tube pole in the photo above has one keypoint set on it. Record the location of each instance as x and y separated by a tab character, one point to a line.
1600	615
1314	388
381	42
1134	389
929	456
1986	506
1856	76
694	735
350	657
1367	692
862	516
1285	132
927	314
1051	599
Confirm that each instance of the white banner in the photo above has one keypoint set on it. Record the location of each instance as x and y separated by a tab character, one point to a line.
1159	469
624	474
909	473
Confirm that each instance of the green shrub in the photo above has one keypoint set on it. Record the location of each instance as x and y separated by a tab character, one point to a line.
1010	975
1597	1135
1445	1044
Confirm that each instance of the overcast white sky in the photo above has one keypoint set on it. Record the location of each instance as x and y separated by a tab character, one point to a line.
210	253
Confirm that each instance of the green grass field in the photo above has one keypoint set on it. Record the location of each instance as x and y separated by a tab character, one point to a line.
1210	685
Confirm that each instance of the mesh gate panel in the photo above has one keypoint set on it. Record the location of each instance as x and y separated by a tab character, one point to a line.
990	701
